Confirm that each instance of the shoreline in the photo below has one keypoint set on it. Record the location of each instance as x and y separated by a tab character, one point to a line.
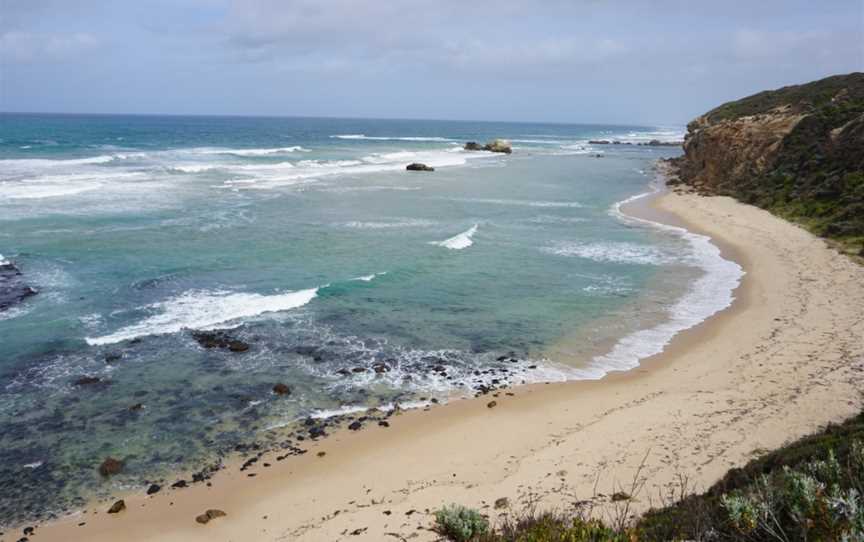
543	437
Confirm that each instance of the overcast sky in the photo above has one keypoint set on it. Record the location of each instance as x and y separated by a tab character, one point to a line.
624	61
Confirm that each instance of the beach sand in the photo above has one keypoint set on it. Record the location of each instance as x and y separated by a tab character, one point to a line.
785	359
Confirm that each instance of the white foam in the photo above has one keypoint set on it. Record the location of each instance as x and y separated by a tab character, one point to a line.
527	203
399	224
458	242
305	170
614	252
4	261
392	138
206	310
245	152
51	186
708	295
369	278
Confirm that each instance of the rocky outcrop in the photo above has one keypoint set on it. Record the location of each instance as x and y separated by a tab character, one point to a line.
496	145
219	339
417	166
13	290
499	145
797	151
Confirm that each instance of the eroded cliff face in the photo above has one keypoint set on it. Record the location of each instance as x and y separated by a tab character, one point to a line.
796	151
718	154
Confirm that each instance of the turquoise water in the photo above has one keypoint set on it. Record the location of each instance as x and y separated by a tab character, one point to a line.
308	240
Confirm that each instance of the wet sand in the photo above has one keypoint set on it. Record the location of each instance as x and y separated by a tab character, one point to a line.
786	358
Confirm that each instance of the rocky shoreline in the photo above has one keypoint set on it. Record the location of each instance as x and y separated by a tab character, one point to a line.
13	289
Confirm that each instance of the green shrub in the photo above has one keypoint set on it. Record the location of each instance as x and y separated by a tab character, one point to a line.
460	523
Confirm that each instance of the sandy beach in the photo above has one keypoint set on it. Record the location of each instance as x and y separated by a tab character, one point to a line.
785	359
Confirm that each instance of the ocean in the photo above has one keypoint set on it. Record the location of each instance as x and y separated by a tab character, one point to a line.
350	280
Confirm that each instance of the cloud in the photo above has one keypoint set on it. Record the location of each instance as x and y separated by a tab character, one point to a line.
29	47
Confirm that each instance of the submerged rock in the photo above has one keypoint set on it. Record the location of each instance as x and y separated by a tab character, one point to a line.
110	466
417	166
13	290
219	339
281	389
87	381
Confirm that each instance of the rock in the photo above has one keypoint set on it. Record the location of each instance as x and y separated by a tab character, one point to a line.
355	426
180	484
380	368
281	389
417	166
503	502
136	406
117	507
473	146
211	514
620	496
384	423
499	145
113	357
13	290
491	404
599	142
154	488
219	339
28	531
237	346
110	466
87	380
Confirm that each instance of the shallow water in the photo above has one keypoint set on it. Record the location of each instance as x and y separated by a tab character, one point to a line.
353	281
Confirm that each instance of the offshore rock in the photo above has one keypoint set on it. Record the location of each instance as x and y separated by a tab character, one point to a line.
417	166
13	290
499	145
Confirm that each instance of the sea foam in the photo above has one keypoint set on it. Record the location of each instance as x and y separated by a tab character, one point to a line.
206	309
460	241
708	295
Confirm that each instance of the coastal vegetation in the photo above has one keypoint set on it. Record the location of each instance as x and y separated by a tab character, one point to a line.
797	151
811	489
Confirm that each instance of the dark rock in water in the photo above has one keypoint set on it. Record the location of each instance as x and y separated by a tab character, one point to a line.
238	346
355	426
136	406
110	466
219	339
179	484
113	357
380	368
12	288
473	146
417	166
87	381
281	389
154	488
209	515
316	432
118	506
599	142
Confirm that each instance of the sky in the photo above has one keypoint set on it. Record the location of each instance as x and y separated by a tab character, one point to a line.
590	61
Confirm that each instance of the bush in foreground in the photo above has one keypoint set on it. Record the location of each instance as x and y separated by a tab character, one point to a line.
460	523
812	489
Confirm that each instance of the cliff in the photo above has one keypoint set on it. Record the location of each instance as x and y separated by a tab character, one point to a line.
797	151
